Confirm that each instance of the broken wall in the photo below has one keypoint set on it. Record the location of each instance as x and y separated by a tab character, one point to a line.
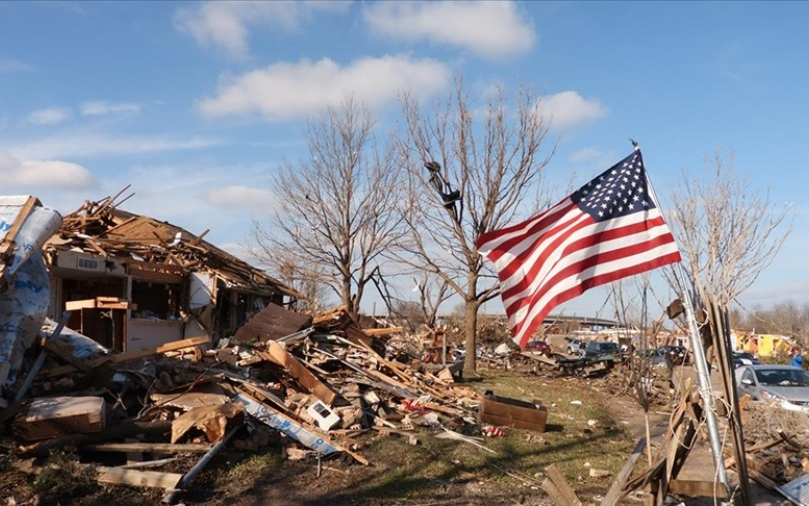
24	292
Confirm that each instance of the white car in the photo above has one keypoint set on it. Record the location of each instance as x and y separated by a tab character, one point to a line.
782	384
575	347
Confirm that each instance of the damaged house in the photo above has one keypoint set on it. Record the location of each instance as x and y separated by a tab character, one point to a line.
133	282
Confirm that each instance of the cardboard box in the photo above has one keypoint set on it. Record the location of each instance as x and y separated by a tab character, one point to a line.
502	411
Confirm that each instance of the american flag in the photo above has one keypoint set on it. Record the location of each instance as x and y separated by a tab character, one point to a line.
609	229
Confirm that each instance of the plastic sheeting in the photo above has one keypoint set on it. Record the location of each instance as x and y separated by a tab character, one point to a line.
26	294
83	347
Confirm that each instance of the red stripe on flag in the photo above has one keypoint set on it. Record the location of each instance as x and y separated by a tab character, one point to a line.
577	290
534	225
586	242
592	261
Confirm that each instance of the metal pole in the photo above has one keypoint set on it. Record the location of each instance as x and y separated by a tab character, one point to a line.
705	388
172	495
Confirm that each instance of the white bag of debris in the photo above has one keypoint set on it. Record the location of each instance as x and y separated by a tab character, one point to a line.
81	346
24	287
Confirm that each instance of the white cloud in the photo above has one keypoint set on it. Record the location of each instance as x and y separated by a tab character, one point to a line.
242	197
287	90
568	110
225	24
593	160
491	29
102	107
49	116
83	145
586	155
33	175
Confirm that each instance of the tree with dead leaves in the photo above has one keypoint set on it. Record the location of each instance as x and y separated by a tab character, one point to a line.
470	169
727	231
335	215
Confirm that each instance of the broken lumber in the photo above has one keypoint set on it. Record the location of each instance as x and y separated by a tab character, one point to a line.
125	429
130	355
615	492
148	447
277	354
137	478
50	417
565	491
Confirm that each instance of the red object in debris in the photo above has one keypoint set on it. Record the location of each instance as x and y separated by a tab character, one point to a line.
410	405
492	431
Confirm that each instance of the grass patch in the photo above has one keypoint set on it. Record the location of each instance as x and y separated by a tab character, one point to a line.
440	469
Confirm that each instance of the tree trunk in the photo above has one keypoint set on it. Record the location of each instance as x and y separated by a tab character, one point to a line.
470	333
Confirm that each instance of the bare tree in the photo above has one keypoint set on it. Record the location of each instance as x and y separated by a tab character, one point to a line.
335	213
306	281
784	317
433	291
482	163
727	231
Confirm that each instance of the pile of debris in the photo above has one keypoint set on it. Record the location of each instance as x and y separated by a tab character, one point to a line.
776	441
319	386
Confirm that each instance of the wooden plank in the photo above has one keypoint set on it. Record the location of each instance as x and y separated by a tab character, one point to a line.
148	447
130	355
697	488
163	273
50	417
297	370
136	478
383	331
149	463
615	492
562	486
122	430
273	322
556	496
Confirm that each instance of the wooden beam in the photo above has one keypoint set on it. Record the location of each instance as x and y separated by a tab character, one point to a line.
122	430
616	490
383	331
562	486
135	478
697	488
130	355
147	447
557	498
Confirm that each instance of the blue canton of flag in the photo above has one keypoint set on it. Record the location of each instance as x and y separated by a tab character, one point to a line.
619	191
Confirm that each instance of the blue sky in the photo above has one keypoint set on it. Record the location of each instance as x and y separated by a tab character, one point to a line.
195	104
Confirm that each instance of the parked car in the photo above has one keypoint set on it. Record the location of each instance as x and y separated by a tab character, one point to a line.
678	354
655	356
575	347
777	383
596	348
743	358
540	347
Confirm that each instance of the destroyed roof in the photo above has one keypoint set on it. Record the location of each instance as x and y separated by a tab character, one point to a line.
101	228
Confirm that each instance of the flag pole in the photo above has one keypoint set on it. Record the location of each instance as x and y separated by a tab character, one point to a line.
705	386
703	373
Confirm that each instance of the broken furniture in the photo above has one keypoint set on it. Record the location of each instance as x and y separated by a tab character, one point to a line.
505	412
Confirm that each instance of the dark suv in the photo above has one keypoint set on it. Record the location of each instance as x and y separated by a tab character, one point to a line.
595	348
